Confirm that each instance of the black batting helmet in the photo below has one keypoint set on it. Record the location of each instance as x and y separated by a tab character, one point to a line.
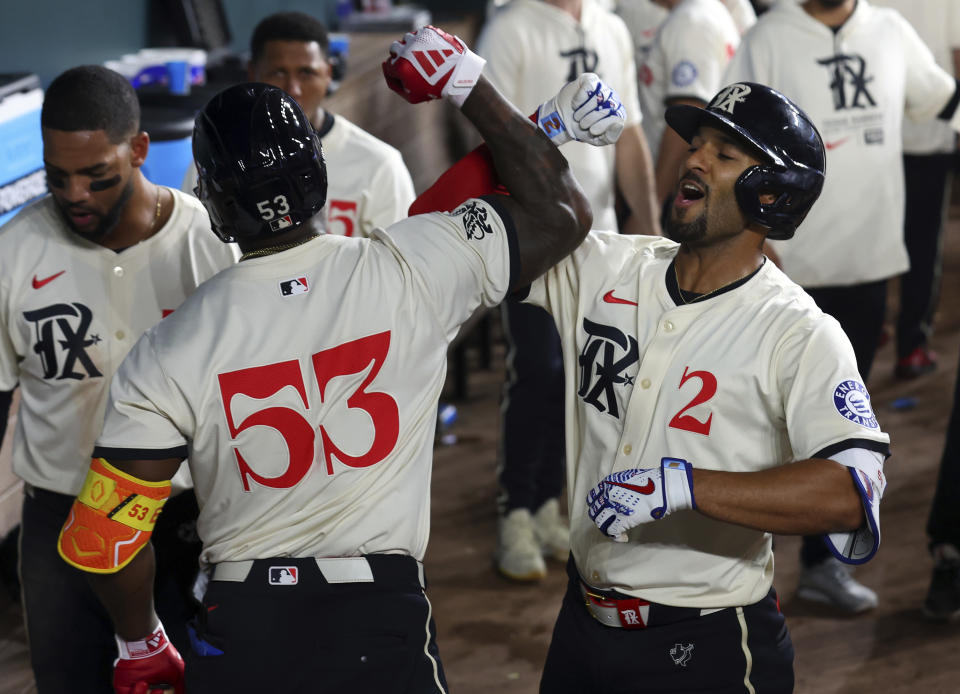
783	135
260	169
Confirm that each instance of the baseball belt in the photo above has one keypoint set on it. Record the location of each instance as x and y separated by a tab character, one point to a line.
635	613
373	568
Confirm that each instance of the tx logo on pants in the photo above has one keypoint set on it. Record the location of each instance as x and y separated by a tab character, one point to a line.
681	654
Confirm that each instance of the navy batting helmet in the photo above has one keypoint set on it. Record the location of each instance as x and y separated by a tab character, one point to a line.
259	163
782	134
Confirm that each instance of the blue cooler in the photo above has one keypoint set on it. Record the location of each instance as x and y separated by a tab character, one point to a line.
171	149
22	178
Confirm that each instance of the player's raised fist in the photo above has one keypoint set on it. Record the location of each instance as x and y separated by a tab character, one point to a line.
628	498
429	64
586	110
149	665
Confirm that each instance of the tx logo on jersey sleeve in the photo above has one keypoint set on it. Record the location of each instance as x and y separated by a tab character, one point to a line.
474	218
605	357
62	329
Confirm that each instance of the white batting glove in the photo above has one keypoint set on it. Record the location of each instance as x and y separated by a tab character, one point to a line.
586	110
430	63
628	498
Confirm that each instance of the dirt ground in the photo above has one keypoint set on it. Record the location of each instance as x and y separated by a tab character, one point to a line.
493	634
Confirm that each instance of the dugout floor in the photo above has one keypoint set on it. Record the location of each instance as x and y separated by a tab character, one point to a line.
493	635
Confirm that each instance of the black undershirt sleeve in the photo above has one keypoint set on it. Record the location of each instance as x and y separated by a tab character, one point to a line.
6	397
951	107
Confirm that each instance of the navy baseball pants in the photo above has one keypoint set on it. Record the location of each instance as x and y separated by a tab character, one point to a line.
285	628
738	650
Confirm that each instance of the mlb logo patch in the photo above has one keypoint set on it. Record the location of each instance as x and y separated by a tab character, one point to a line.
282	576
281	223
296	285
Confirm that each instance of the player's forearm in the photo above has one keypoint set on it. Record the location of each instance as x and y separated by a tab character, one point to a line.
537	176
635	180
128	595
808	497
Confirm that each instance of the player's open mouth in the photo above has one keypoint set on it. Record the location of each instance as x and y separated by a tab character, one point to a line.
688	193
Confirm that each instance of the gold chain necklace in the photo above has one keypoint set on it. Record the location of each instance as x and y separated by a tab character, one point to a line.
712	292
275	249
156	217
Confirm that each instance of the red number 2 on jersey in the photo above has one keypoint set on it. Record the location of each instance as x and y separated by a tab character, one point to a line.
708	388
263	381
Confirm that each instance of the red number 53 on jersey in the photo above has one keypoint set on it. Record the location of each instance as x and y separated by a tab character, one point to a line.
261	382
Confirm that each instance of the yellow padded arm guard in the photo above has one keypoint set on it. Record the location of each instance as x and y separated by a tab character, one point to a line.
111	519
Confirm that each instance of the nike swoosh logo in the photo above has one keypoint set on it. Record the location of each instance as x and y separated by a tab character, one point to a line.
835	144
611	299
39	283
648	488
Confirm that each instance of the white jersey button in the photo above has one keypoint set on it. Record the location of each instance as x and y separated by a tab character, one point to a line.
668	326
645	383
118	271
627	449
120	334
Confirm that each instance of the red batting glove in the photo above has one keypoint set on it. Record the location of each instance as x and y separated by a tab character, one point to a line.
151	664
429	64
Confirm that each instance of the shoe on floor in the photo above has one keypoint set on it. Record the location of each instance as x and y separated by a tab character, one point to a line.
518	552
943	597
552	531
918	362
830	583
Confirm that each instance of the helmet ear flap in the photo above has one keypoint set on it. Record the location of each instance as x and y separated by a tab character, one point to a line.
795	190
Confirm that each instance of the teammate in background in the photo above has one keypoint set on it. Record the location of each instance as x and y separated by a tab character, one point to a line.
643	18
372	187
310	443
929	151
711	404
858	70
684	66
744	16
532	48
83	273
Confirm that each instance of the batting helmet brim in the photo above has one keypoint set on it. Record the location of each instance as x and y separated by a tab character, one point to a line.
686	120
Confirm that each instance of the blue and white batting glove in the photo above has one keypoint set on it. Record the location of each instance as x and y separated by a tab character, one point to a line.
628	498
586	110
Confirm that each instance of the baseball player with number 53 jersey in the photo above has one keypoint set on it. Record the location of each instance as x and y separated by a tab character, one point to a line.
307	409
710	403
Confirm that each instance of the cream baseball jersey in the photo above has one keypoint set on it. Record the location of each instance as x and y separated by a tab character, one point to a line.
70	310
686	61
368	185
742	12
856	85
533	48
938	24
306	399
748	379
643	18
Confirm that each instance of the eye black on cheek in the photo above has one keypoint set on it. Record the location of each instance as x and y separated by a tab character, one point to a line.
104	184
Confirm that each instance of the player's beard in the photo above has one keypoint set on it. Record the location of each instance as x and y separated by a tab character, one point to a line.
687	232
108	222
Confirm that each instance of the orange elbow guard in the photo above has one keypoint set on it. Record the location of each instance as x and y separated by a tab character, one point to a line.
111	519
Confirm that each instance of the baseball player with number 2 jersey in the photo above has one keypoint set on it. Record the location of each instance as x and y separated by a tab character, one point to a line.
709	404
308	413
